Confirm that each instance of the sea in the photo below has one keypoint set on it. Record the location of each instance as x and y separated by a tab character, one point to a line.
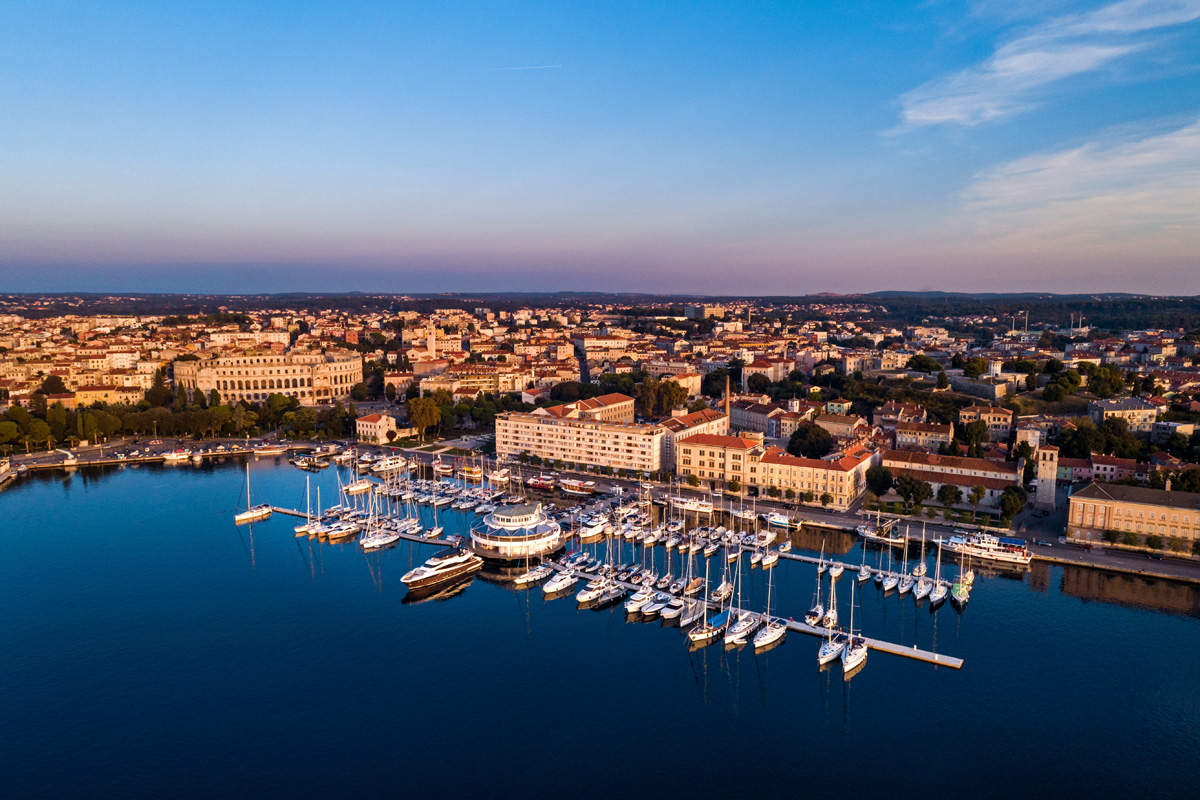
150	648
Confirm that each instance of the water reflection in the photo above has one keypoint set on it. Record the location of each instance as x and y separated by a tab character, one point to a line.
1131	590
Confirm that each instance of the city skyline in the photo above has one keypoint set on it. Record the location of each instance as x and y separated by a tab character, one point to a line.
771	150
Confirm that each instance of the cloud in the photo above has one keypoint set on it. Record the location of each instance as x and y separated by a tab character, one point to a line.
1128	195
1066	46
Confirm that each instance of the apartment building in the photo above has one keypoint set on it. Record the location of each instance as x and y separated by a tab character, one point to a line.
1137	413
681	426
597	432
1100	507
922	435
374	428
998	420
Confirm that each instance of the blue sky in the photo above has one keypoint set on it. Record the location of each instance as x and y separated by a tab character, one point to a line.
703	147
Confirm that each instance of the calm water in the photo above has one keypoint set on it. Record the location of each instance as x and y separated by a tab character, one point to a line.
148	648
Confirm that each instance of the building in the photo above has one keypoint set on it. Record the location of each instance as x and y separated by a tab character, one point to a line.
1161	432
1100	507
374	428
841	426
891	414
314	378
774	369
998	420
923	435
1138	414
717	460
682	426
87	395
598	432
965	473
703	312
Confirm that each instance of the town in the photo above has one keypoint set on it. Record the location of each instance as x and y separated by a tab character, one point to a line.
1070	433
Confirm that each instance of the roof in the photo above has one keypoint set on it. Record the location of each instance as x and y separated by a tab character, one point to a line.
922	427
846	463
370	418
719	440
929	460
1144	495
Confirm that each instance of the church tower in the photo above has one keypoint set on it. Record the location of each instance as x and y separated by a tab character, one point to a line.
1047	474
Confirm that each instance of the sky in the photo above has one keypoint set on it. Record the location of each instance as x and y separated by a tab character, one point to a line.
687	147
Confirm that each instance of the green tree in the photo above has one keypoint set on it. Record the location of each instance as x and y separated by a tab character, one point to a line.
923	363
942	381
214	398
758	383
1053	393
693	480
39	432
1154	542
810	441
389	392
949	495
975	496
879	480
358	392
1012	500
789	494
826	499
423	413
734	486
54	385
1131	538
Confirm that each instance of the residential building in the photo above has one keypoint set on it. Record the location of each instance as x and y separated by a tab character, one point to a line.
841	426
1138	414
597	432
374	428
998	420
682	425
923	435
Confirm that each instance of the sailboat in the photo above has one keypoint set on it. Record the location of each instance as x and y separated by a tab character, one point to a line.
774	629
821	565
306	526
891	579
814	615
864	572
252	513
960	592
831	615
906	580
743	622
856	649
708	630
940	589
920	569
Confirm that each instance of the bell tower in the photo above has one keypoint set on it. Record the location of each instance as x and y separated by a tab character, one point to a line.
1047	474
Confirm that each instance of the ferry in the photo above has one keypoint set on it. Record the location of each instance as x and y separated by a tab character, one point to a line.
541	483
444	566
988	547
575	486
270	450
471	472
177	455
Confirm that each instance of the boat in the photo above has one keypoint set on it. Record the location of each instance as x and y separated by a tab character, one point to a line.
987	547
541	483
389	464
270	450
710	629
499	476
444	566
538	573
442	468
359	486
830	619
775	518
560	582
832	647
774	629
380	537
864	572
821	565
906	582
769	559
814	615
836	569
252	513
742	623
920	569
577	487
471	472
856	647
177	455
940	590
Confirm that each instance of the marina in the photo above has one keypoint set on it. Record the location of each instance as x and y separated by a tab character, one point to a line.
306	608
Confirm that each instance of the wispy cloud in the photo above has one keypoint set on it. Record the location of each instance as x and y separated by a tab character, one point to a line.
1139	193
1063	47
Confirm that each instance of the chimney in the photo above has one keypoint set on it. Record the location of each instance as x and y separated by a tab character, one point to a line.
726	393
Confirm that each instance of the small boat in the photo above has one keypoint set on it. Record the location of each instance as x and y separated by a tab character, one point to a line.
577	487
836	569
769	559
535	575
832	647
710	629
252	513
856	646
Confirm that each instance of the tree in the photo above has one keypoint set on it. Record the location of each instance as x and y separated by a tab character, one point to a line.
39	432
389	392
214	398
879	480
1154	542
1053	393
1030	382
949	495
692	480
54	385
358	392
734	486
1012	500
942	381
975	497
1130	538
810	441
423	413
826	499
789	494
758	383
923	363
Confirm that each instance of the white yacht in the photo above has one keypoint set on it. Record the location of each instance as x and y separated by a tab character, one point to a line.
988	547
443	566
